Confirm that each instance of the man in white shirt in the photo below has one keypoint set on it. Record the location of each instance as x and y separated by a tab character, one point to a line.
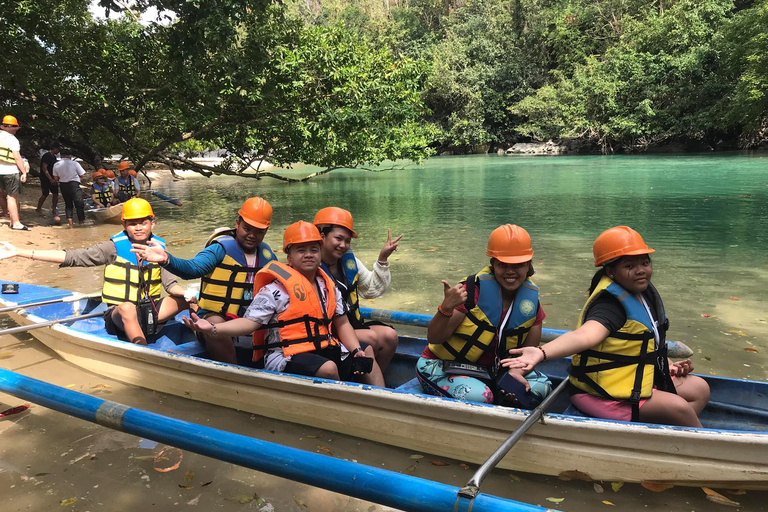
67	174
12	170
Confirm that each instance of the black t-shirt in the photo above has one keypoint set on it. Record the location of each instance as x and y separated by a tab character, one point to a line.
48	159
608	311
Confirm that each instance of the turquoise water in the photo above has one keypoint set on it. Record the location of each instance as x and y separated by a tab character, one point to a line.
706	216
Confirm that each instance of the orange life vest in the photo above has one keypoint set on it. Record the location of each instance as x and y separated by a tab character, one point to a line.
304	326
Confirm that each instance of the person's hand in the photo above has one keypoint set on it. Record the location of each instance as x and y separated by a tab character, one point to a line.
23	177
389	247
519	376
680	368
99	205
527	358
453	295
7	250
198	324
190	295
153	252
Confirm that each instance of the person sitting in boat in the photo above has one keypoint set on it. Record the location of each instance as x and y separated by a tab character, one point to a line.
227	267
480	320
354	280
127	186
132	286
293	311
103	194
620	368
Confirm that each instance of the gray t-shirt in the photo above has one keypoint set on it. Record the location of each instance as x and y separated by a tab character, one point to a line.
105	253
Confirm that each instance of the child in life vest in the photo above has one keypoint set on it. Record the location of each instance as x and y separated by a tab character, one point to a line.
620	368
297	304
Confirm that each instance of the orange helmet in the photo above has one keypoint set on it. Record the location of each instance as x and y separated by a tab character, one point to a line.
510	244
124	165
133	173
334	216
109	174
257	212
10	120
617	242
299	233
137	208
99	174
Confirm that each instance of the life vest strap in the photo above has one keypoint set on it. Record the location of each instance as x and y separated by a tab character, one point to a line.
227	283
632	337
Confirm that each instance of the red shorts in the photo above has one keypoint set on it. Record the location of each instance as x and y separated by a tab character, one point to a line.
599	407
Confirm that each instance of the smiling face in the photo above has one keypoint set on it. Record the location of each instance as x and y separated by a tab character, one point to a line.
139	230
249	237
305	257
510	276
633	273
336	244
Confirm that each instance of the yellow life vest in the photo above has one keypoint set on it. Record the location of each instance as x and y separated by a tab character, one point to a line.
6	155
124	277
478	329
127	187
628	362
228	289
103	194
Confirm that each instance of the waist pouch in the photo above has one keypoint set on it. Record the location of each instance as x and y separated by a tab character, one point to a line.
477	371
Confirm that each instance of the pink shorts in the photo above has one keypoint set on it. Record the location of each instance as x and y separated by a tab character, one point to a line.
598	407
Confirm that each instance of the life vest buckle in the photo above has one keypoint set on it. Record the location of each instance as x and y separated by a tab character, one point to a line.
635	396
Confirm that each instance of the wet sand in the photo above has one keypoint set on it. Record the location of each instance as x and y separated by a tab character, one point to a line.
49	461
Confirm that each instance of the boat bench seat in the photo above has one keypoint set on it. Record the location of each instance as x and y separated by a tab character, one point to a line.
412	386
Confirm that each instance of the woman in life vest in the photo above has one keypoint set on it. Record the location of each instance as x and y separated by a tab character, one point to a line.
103	194
298	305
480	320
620	368
354	280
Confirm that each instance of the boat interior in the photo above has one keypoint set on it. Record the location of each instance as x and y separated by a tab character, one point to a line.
735	405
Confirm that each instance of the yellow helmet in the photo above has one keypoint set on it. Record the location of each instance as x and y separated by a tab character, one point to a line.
137	208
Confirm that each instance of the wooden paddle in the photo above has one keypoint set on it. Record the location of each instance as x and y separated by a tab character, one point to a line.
70	298
25	328
472	488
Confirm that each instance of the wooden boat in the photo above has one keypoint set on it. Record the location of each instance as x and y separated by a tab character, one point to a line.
731	452
109	215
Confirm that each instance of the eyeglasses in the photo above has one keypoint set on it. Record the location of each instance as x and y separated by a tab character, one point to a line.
10	126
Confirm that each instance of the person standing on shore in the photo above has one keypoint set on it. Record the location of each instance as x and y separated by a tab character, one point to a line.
12	170
47	184
67	173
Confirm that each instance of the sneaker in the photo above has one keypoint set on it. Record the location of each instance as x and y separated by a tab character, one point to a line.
20	227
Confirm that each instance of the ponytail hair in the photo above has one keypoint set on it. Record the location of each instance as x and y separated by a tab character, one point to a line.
596	279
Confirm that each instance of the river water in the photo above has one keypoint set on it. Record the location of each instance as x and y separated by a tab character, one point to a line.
706	216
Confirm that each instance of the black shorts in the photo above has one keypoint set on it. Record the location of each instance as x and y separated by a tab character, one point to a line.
48	187
10	184
114	330
307	363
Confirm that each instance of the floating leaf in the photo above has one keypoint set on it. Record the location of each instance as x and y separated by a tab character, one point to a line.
705	315
722	500
145	457
300	503
66	503
463	465
416	457
101	386
606	502
5	355
185	487
598	488
168	459
514	477
752	350
207	483
70	386
555	500
439	463
410	469
241	499
14	410
189	475
313	437
656	487
616	486
324	449
194	500
576	475
740	333
737	492
734	298
431	249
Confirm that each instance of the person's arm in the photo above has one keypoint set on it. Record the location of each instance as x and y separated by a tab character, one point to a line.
347	335
51	256
372	284
80	170
20	164
171	284
446	320
44	168
235	327
201	265
136	186
55	174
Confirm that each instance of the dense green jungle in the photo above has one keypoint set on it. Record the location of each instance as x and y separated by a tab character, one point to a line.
350	83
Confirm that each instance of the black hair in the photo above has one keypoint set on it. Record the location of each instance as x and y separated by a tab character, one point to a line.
330	227
65	152
602	273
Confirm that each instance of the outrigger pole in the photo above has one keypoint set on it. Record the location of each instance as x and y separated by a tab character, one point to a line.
388	488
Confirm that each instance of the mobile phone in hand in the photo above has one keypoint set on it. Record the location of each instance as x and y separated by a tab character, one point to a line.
511	385
362	364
